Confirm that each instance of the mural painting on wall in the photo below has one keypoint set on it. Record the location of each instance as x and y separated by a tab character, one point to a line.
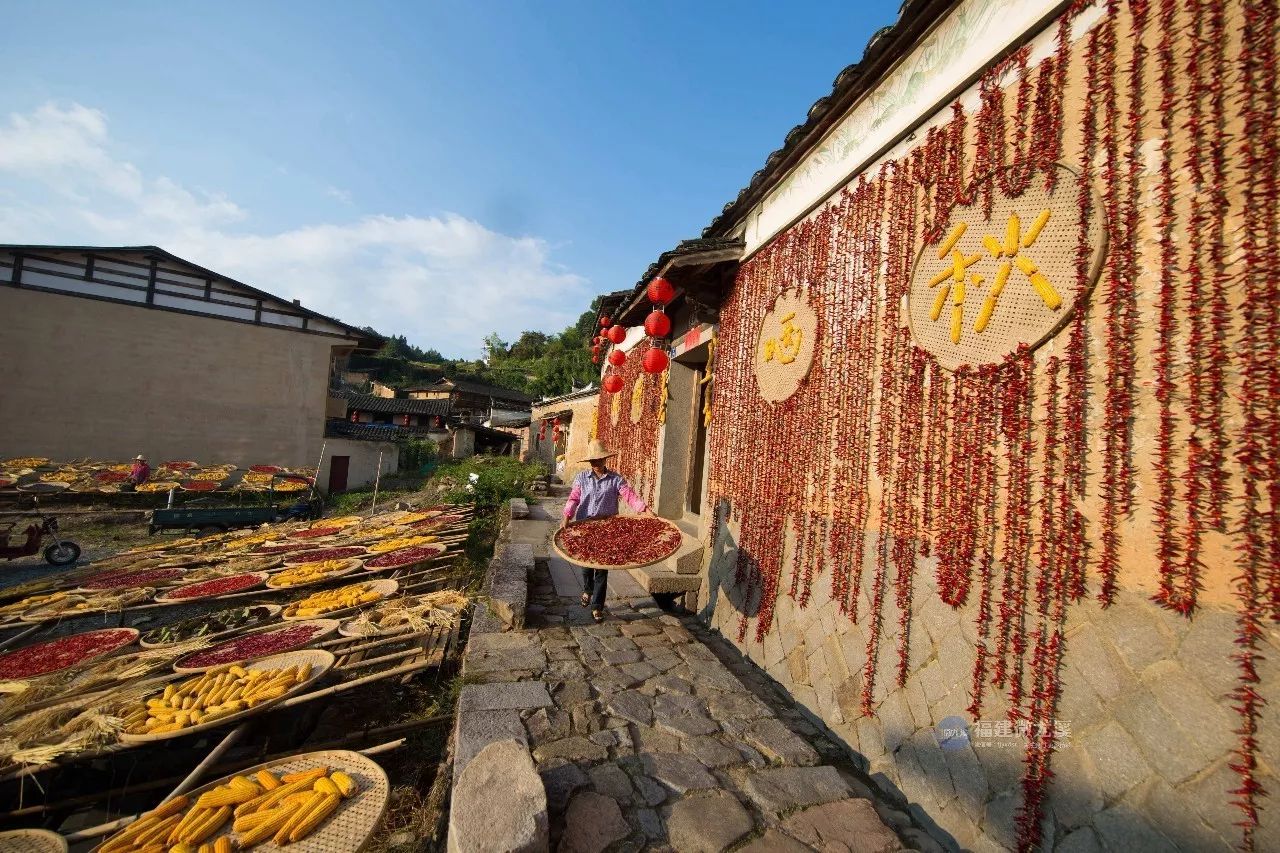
937	422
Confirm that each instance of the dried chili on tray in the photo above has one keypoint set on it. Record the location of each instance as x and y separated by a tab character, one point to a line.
619	541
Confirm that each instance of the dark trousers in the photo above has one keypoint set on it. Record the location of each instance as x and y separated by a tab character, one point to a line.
596	583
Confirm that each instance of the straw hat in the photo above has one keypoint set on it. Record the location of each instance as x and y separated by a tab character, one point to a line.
140	458
595	450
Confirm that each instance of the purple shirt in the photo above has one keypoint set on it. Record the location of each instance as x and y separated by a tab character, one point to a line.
597	497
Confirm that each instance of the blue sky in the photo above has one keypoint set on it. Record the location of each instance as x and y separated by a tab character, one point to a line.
435	170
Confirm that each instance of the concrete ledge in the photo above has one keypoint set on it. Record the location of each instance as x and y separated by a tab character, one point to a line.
687	560
519	509
508	583
660	579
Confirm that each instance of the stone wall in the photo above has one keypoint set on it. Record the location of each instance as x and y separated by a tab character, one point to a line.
577	426
1145	717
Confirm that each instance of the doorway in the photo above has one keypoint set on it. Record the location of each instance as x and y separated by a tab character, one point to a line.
338	466
698	451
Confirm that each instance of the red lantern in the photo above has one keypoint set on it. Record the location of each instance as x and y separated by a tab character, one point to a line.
604	322
595	350
612	383
655	361
595	358
617	358
616	334
660	291
597	340
657	324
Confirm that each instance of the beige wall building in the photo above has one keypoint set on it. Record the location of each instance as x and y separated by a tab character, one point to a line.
576	412
113	352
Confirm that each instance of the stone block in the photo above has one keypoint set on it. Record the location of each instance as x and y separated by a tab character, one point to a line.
592	822
679	772
1074	792
514	695
778	743
774	841
474	730
512	652
484	622
1122	828
1167	810
1183	696
1116	759
1135	634
575	748
712	752
547	724
499	803
561	779
1088	655
707	822
896	722
632	706
508	585
1176	753
850	824
1083	840
519	509
610	780
776	790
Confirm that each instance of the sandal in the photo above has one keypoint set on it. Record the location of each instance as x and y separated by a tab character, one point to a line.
586	599
597	615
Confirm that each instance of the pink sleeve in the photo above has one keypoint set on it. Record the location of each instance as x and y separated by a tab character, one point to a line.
633	500
575	498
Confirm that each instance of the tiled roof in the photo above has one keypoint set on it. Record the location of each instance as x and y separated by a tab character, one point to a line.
471	386
392	405
590	391
695	246
337	428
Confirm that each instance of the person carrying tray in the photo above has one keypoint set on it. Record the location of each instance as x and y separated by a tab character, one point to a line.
595	494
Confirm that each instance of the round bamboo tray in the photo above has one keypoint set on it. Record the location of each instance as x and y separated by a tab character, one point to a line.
375	570
274	612
327	627
100	590
353	564
555	545
87	658
168	598
39	614
349	827
385	588
32	841
320	660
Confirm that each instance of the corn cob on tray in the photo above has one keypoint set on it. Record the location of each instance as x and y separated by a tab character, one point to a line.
330	603
327	801
223	695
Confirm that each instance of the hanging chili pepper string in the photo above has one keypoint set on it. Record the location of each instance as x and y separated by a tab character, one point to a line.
1116	405
1169	594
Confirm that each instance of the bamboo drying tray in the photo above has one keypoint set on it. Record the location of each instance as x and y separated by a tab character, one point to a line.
385	588
167	598
87	658
555	545
274	612
327	627
320	660
353	565
350	827
32	841
377	570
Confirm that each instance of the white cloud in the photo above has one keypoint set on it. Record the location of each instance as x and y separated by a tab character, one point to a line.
443	281
341	195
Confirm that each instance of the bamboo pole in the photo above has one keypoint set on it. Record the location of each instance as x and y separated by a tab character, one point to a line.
209	760
351	685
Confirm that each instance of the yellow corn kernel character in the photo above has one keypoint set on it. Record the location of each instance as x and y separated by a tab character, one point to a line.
1046	291
938	301
205	848
167	727
271	798
984	315
993	246
315	817
268	781
308	775
158	831
303	673
188	820
222	845
1011	235
952	239
182	848
1036	227
169	690
1025	264
1002	278
957	322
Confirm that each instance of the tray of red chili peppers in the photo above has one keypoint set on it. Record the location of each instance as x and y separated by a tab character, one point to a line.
617	542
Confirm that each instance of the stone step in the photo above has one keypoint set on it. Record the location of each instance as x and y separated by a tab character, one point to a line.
687	560
660	579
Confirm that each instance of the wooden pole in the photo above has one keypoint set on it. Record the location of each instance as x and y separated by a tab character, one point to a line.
209	761
377	479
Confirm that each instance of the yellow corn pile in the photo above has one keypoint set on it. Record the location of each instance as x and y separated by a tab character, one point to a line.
396	544
340	521
319	603
31	602
306	573
220	692
263	807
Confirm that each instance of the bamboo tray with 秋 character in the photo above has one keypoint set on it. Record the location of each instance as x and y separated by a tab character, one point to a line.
618	542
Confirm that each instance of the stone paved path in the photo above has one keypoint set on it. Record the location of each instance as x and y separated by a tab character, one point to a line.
644	739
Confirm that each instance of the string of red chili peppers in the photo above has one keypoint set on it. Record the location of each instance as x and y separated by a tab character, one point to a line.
1170	593
1259	421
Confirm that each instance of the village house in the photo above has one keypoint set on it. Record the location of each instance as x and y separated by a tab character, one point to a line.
560	429
957	387
133	349
476	402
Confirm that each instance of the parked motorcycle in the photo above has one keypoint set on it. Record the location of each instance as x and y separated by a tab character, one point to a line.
59	552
